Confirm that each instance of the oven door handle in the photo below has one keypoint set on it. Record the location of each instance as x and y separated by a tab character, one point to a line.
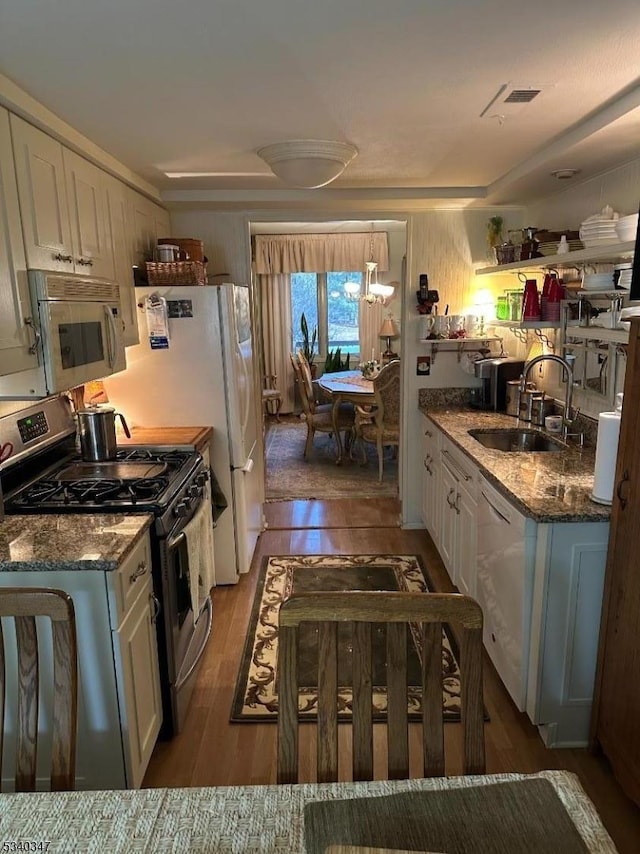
208	607
172	543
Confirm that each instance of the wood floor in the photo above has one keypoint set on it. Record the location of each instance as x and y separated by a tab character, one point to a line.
213	752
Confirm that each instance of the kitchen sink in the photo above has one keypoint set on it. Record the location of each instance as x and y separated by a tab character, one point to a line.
516	439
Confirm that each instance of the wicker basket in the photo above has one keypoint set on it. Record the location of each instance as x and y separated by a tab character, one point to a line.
176	273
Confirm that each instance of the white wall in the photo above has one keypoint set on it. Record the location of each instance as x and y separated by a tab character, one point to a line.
577	200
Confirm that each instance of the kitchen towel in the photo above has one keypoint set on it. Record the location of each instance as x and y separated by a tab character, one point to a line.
199	536
606	454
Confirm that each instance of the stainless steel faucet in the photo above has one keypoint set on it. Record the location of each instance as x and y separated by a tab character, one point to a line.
551	357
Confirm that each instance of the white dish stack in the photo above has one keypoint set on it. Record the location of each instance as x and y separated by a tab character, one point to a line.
600	229
624	279
597	281
627	227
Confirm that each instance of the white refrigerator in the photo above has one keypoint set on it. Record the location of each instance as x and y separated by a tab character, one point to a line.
206	376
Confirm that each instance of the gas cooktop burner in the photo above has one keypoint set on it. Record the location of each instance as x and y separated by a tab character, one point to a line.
140	478
60	493
172	458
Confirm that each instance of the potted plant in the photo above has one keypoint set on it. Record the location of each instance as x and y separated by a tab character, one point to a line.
308	341
494	235
334	362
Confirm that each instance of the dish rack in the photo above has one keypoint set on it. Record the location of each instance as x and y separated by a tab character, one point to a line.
176	273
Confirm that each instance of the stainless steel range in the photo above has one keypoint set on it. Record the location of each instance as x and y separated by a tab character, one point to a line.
44	473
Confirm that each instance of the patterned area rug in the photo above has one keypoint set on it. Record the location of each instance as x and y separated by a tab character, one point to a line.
256	699
288	476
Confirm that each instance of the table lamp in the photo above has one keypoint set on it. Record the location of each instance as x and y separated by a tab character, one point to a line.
389	330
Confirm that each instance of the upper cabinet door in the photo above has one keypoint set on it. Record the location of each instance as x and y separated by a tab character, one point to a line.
43	198
15	307
86	193
162	223
143	228
118	216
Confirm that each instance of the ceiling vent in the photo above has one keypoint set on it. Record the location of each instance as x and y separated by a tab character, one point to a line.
510	100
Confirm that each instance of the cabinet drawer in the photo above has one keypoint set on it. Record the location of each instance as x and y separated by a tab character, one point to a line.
129	579
465	472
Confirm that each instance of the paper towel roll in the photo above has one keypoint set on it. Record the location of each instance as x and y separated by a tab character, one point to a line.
606	453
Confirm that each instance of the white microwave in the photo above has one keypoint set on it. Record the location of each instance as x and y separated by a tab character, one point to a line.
78	333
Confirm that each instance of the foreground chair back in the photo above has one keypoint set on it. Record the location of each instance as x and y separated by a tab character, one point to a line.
24	605
429	611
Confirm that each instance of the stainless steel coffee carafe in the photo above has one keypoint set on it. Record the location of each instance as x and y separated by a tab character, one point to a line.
97	430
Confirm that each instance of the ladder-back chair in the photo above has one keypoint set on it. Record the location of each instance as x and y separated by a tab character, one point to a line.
23	605
364	609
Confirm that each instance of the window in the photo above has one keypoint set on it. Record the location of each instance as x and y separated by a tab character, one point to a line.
322	298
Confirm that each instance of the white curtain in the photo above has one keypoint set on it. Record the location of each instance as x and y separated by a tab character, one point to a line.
320	253
275	302
371	317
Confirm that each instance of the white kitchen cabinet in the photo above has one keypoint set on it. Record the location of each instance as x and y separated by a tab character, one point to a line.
16	339
118	213
90	233
135	649
119	705
147	223
458	520
161	223
62	205
565	621
431	509
504	588
540	588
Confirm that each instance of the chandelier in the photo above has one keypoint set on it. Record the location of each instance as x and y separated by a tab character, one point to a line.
374	291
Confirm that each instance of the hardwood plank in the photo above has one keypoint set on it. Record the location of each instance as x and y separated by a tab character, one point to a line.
212	751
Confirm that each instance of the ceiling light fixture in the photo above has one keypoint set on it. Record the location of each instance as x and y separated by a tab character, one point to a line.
308	163
564	174
374	291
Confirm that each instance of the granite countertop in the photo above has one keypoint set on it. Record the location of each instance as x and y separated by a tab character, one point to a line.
547	486
70	541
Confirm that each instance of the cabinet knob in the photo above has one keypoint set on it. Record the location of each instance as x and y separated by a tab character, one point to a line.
61	257
85	262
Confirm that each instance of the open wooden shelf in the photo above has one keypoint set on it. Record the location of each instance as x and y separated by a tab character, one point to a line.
610	253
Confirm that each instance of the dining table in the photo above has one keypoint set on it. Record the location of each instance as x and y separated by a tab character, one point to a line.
275	819
346	387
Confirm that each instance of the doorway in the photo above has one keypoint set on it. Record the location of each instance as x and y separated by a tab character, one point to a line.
288	477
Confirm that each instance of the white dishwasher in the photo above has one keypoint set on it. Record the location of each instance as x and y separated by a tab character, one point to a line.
506	559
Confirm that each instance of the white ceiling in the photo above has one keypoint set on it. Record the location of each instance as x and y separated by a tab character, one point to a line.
199	86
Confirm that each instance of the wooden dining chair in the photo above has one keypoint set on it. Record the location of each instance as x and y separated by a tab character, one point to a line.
23	605
272	396
318	416
428	611
380	424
